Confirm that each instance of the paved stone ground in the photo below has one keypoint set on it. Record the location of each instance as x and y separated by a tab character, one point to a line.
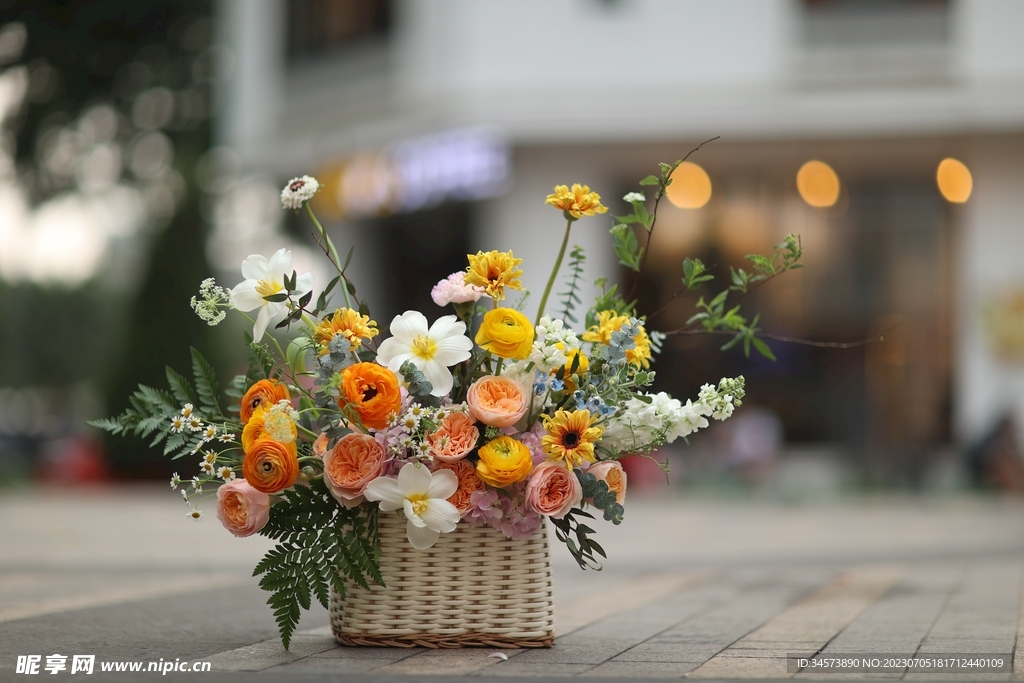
704	589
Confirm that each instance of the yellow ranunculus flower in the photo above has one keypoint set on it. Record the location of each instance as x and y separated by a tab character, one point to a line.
507	333
504	461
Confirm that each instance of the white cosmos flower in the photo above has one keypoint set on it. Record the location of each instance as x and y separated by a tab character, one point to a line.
423	497
432	351
265	277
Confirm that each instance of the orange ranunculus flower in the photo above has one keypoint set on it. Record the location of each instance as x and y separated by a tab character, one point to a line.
504	461
263	394
497	401
373	391
469	482
506	332
348	467
270	466
454	438
255	429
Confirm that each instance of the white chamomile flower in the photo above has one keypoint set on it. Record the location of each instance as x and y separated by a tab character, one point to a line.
431	350
195	514
265	277
226	438
187	410
209	432
407	442
210	457
184	494
194	424
393	419
634	197
175	481
197	485
410	422
298	191
423	451
207	467
417	410
226	473
177	424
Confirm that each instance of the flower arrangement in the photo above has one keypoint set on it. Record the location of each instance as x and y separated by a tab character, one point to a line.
480	417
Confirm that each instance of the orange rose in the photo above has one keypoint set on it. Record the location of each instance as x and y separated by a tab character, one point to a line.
468	483
612	474
320	445
270	466
455	438
373	391
354	461
497	401
263	394
553	490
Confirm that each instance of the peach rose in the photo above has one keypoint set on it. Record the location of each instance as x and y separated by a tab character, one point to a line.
270	466
264	393
354	461
552	490
242	509
320	445
373	391
455	438
612	474
497	401
468	483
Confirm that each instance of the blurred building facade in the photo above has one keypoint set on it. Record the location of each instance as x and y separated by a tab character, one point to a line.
438	127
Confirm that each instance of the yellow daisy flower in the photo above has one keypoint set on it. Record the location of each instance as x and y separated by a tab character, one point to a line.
577	202
608	322
494	271
570	436
349	324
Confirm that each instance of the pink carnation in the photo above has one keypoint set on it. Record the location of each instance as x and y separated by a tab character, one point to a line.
454	290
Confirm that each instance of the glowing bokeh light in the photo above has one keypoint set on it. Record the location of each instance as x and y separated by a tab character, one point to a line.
691	186
954	179
818	184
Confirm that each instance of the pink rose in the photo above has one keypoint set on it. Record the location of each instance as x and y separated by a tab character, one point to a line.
354	461
454	290
242	509
611	473
553	490
497	401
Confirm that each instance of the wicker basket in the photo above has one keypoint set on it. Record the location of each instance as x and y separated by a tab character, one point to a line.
474	588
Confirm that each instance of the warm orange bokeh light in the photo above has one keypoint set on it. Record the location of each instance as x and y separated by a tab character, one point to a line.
691	186
954	179
818	184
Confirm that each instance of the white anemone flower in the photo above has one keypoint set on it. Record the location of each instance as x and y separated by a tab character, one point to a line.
422	495
263	278
432	350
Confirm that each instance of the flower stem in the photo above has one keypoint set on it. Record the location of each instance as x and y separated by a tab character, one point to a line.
554	273
333	251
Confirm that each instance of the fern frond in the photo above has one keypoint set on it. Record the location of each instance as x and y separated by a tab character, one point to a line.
577	257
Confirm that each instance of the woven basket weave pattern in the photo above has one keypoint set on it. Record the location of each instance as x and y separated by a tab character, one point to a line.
473	588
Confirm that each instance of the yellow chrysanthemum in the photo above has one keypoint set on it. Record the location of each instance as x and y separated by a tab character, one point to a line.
494	271
577	202
570	436
608	322
349	324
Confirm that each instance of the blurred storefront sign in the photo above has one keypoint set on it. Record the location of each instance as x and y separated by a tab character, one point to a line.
414	174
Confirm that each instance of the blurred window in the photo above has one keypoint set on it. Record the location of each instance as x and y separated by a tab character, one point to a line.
852	22
319	27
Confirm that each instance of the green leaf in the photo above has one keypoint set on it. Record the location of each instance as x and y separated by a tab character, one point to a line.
763	348
206	384
651	180
276	298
